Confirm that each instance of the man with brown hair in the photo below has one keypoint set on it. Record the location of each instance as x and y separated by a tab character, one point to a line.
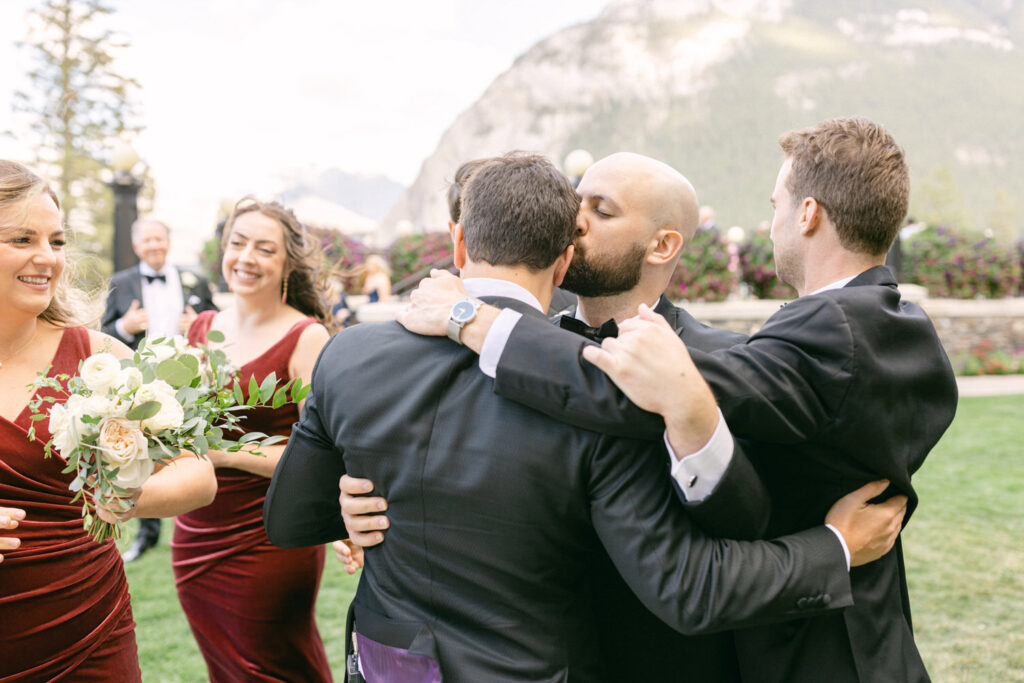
498	512
846	384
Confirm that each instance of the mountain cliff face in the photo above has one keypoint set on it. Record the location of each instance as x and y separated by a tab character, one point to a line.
708	86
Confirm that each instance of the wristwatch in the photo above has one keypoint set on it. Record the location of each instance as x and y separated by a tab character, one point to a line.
461	314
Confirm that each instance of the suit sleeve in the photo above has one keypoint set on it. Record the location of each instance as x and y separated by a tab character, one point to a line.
113	312
790	379
302	507
202	290
699	584
738	507
542	367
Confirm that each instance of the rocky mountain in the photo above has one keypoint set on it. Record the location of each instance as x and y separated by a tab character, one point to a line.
366	196
708	86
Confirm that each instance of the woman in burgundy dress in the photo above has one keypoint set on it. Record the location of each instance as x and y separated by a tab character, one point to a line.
250	604
65	613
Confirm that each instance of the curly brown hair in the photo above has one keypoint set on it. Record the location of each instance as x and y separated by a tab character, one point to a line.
307	282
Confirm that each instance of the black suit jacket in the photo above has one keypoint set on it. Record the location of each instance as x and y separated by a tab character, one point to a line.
126	286
660	653
836	389
498	512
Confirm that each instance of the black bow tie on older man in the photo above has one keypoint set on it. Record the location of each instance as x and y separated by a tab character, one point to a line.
607	328
150	278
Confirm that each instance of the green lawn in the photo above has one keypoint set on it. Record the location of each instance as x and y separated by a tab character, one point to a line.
965	562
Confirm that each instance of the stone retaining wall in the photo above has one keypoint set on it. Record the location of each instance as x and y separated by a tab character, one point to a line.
961	324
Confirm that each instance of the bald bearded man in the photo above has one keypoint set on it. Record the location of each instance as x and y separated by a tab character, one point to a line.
636	215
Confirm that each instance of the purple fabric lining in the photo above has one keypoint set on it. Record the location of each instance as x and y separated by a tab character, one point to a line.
383	663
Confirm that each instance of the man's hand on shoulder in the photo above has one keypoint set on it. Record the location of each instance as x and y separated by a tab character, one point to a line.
870	530
431	302
650	364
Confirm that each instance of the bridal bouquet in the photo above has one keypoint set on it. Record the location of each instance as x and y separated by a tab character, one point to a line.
122	417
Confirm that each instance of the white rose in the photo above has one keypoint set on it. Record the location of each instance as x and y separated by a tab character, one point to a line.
135	473
129	379
162	351
75	407
65	442
97	406
180	344
170	415
58	423
99	372
151	391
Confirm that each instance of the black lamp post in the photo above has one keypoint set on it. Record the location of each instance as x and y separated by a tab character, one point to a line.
126	207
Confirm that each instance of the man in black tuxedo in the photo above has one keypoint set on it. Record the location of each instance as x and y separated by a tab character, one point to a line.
152	299
846	384
497	513
638	213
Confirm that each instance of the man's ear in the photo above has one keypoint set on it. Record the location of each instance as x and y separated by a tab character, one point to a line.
667	244
562	264
458	246
812	214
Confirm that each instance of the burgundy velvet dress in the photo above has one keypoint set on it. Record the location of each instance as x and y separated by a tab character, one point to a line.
65	613
249	603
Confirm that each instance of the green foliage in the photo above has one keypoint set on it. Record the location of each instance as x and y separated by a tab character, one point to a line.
964	555
78	106
703	271
757	268
963	564
413	253
953	264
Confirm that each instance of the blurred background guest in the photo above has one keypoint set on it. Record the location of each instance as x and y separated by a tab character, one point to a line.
152	299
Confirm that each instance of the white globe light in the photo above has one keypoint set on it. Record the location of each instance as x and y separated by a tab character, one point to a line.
735	234
124	157
577	162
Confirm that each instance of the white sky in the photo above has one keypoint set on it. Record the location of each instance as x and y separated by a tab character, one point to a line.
237	94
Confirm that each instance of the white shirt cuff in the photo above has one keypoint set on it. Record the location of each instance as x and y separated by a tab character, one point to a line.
119	326
842	542
698	474
496	339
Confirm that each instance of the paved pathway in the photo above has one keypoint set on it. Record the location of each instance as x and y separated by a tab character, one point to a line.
991	385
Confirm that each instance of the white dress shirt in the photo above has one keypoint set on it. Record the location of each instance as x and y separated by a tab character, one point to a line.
163	301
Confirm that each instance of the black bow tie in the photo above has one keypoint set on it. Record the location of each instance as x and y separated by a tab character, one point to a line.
150	278
607	329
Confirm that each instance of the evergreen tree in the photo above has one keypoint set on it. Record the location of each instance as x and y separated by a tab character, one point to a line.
78	106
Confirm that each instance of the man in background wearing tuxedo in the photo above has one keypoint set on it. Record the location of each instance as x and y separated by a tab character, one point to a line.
152	299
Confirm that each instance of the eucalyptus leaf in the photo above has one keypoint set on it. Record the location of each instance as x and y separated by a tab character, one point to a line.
215	336
174	372
271	440
187	395
267	388
200	445
250	436
237	392
144	411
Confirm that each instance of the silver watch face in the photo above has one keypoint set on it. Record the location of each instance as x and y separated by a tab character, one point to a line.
463	311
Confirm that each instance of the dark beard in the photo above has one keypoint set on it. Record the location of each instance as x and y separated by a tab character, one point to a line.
592	278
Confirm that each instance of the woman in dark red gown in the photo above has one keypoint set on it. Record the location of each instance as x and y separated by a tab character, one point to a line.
249	603
65	613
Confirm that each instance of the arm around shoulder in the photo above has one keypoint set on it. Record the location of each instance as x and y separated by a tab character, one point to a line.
542	367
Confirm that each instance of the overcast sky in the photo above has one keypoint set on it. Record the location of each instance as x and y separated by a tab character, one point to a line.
237	94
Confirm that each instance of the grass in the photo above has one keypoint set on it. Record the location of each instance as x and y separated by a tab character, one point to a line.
965	564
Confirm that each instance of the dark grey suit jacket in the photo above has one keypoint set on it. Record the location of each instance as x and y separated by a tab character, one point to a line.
498	512
836	389
126	286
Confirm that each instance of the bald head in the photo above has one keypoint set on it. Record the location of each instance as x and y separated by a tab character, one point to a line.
648	185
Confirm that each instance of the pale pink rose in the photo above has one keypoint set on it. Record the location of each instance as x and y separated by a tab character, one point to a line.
121	441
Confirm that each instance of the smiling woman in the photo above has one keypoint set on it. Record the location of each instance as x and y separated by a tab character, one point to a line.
86	634
263	627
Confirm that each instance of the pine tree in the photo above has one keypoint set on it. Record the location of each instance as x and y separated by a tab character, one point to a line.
78	105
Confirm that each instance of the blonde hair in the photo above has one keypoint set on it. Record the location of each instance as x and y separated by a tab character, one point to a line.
19	185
